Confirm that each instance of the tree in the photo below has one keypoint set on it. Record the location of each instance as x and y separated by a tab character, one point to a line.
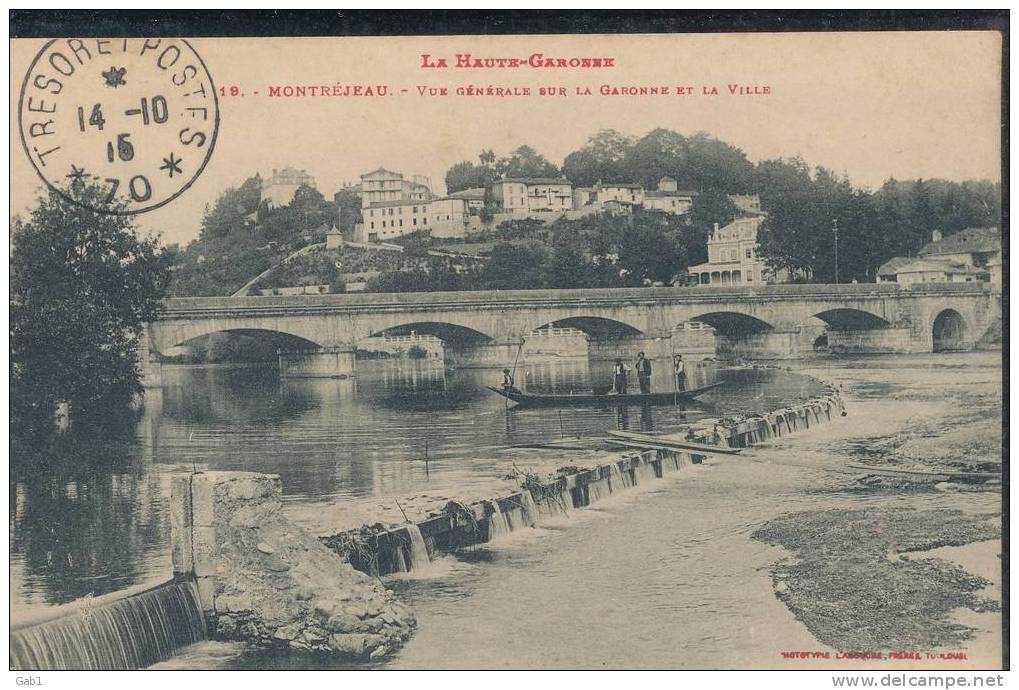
231	209
466	175
525	162
348	205
514	267
648	254
82	285
601	158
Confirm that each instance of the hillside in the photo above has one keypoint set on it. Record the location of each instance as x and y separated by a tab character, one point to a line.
242	236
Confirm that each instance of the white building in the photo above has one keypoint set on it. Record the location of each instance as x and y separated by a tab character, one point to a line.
384	186
278	190
939	271
748	204
475	198
599	194
970	255
523	195
669	198
446	217
732	256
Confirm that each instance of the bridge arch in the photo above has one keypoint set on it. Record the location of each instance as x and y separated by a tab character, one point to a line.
282	340
948	331
851	319
596	327
732	323
449	333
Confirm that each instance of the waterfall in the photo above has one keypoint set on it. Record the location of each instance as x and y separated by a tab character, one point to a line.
597	490
621	477
497	523
553	505
529	511
419	558
645	473
399	560
129	633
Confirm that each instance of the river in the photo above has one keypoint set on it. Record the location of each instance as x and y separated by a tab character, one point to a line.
664	576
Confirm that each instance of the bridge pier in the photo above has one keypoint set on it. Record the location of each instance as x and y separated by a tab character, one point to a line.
655	347
503	353
151	369
874	341
324	363
772	344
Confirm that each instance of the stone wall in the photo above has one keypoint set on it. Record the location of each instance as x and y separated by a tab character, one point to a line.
326	362
870	341
263	580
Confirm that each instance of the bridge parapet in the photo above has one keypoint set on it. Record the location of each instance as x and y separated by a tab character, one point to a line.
497	318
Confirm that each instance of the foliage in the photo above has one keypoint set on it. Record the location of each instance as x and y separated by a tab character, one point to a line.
348	205
601	159
524	161
238	242
82	285
232	208
697	163
804	209
467	175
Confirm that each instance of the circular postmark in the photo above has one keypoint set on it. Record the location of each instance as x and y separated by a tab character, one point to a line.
120	126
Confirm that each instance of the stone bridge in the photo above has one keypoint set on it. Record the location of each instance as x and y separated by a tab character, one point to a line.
318	334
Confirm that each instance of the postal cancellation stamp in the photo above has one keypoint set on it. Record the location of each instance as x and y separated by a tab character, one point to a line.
137	116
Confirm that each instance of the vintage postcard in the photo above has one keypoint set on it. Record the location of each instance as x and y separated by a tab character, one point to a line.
563	351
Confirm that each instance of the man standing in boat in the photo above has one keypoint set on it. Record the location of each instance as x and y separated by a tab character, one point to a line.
619	378
643	367
507	381
680	370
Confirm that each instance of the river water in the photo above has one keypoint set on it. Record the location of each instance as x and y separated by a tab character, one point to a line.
93	517
665	575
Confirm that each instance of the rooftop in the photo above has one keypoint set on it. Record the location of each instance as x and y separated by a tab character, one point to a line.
892	266
382	171
400	202
535	180
472	193
965	241
658	194
940	266
624	185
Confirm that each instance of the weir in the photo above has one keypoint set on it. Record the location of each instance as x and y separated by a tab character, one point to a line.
460	526
127	633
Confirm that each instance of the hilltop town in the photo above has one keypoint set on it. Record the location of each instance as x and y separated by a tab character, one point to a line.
660	210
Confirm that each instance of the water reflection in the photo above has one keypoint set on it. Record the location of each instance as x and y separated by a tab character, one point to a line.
91	517
84	522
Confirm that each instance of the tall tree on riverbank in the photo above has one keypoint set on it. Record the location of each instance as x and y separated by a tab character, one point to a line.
82	285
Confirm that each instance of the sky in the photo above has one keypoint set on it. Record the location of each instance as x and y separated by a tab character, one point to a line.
868	104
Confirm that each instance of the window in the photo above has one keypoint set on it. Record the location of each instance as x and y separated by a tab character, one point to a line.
373	225
414	221
750	253
401	222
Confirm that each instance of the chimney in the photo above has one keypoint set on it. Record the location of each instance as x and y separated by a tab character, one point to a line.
936	236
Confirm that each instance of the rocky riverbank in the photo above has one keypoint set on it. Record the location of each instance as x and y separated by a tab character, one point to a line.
854	577
854	585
